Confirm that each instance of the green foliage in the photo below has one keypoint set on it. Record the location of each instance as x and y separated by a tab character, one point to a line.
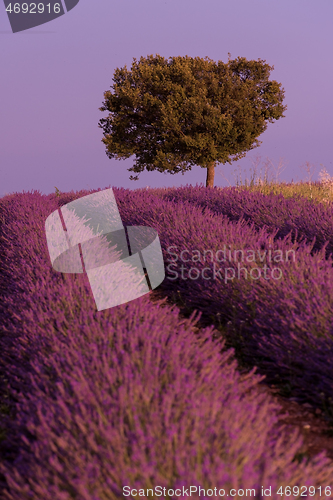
177	113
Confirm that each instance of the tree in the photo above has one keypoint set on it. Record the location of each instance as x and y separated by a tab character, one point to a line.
177	113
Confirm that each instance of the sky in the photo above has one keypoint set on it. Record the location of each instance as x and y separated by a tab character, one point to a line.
53	78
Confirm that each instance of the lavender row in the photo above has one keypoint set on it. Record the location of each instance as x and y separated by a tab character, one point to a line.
258	318
282	325
128	396
298	215
278	317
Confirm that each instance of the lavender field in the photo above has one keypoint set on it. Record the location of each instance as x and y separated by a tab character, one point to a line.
137	395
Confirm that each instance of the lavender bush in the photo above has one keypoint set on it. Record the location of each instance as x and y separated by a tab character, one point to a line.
283	326
132	395
298	215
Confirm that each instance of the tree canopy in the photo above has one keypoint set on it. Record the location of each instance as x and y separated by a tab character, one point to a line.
177	113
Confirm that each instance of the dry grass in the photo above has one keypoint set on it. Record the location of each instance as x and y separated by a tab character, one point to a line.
265	179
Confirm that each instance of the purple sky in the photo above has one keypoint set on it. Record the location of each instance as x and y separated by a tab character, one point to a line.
53	78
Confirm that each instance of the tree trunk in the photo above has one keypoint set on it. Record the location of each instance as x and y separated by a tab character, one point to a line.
210	175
